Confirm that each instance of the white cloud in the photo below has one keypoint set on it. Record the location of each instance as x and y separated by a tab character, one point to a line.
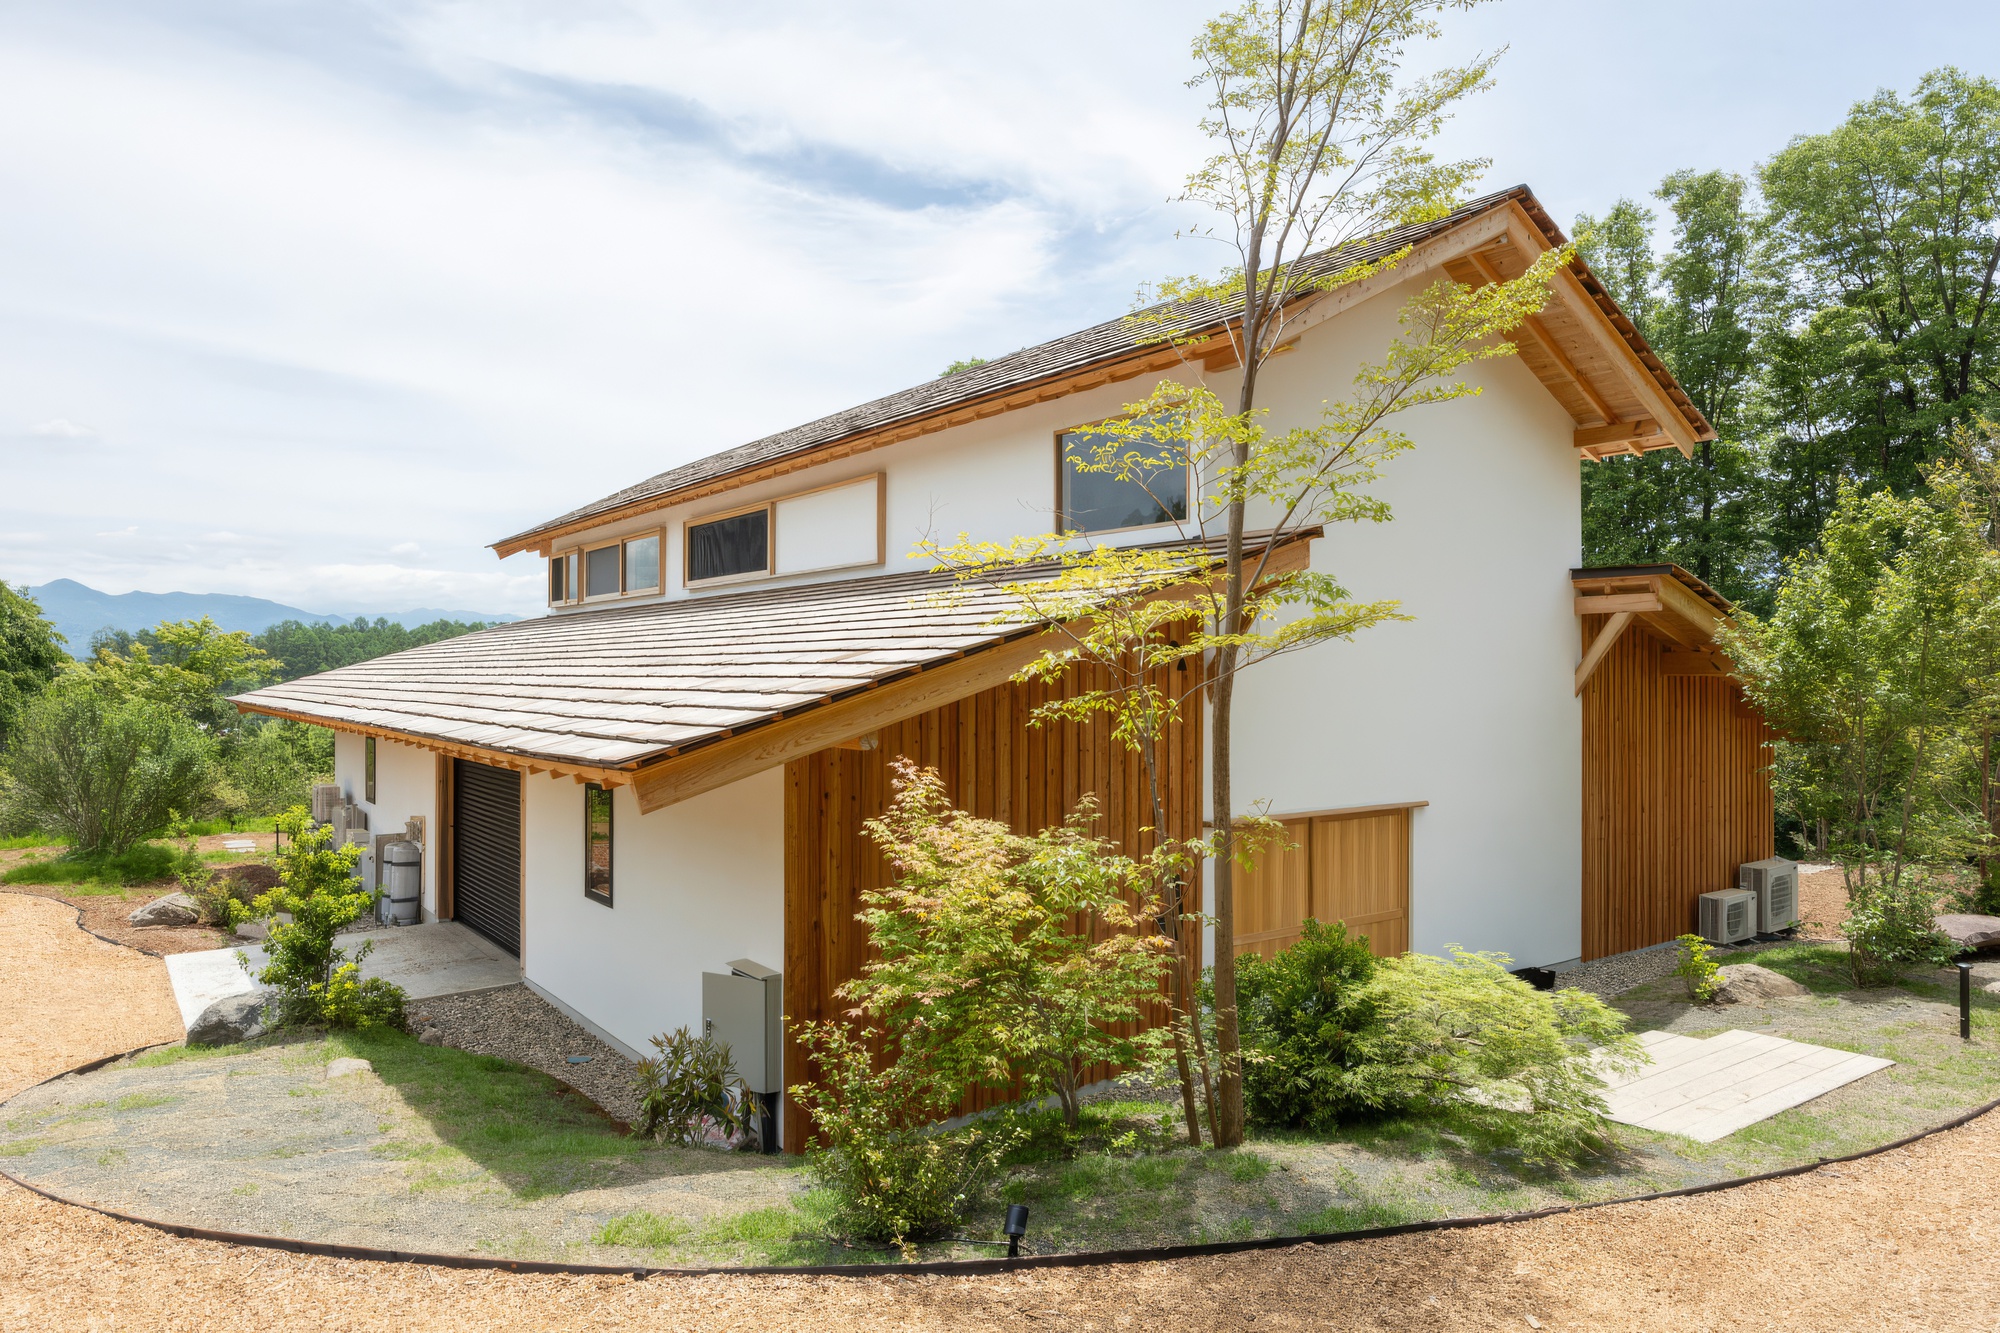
328	275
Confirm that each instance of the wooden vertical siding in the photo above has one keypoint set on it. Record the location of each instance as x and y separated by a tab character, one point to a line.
1675	793
1348	866
994	765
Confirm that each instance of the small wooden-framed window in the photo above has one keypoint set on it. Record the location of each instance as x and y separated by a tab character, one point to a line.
735	545
1096	502
627	567
368	770
563	573
597	843
601	571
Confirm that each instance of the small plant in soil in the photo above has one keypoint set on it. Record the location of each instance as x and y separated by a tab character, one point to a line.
690	1087
1697	968
316	981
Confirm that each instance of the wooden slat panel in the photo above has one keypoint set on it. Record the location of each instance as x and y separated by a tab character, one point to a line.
1275	893
1675	793
1361	875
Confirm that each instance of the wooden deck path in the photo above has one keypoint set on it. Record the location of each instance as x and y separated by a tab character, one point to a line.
1707	1089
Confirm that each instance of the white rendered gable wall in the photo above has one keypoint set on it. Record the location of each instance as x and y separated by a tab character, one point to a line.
1468	706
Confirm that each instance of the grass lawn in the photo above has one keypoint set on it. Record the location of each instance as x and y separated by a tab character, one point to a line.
147	863
468	1133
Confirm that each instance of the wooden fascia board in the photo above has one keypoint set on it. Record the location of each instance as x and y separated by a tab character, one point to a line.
608	777
679	777
1569	290
1435	253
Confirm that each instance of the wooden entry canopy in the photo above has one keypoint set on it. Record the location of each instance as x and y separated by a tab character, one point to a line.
1676	785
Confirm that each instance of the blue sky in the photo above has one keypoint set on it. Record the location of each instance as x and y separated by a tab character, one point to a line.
312	300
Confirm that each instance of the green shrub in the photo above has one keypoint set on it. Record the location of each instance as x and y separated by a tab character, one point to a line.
1300	1013
143	864
894	1179
690	1078
1697	969
219	903
103	769
275	764
1463	1038
315	981
1892	926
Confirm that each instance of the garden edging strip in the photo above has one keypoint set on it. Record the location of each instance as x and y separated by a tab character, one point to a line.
1078	1259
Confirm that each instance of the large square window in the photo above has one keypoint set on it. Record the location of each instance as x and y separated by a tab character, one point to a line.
1101	502
597	843
730	546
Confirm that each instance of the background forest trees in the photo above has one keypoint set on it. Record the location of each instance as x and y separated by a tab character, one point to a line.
1834	320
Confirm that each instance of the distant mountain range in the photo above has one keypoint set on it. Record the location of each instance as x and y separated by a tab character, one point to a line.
79	612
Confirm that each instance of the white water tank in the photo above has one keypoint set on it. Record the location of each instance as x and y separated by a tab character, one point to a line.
402	882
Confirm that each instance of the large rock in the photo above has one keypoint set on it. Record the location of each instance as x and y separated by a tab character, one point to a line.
231	1019
175	909
1747	983
1968	930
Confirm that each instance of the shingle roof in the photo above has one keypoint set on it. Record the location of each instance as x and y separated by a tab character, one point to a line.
1008	374
612	687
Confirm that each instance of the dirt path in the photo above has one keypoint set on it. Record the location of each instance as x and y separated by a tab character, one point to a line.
1901	1241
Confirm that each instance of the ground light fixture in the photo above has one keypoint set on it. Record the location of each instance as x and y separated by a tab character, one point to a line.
1964	1000
1015	1228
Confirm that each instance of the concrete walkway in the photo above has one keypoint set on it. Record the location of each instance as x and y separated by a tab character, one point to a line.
1706	1090
442	958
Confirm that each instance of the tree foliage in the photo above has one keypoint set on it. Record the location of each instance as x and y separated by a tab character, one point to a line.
299	649
103	769
1010	960
30	655
1874	666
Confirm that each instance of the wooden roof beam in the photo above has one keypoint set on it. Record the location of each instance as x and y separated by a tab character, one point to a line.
1607	636
1597	443
1545	340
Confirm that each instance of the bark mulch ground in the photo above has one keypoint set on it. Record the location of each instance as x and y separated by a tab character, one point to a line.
1903	1241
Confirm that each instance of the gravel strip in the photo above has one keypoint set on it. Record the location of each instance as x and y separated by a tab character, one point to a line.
1621	971
519	1025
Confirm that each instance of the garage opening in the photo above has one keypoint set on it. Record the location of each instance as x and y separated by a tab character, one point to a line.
486	851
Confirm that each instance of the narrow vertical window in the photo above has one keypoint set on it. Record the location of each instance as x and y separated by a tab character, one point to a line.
368	770
597	843
558	579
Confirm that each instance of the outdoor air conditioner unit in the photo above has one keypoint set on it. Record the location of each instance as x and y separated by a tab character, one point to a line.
1728	916
325	799
1775	881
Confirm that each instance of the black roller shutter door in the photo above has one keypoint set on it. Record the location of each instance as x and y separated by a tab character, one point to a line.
486	852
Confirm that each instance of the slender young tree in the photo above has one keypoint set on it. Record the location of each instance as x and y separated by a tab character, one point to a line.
1317	148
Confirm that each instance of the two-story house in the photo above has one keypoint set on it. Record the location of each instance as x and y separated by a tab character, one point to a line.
669	770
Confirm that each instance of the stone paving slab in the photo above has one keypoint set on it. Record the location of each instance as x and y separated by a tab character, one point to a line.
441	958
1707	1089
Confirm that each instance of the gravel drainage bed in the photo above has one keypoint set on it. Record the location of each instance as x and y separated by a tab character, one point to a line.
519	1025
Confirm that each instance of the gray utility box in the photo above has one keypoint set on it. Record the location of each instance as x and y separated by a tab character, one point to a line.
745	1011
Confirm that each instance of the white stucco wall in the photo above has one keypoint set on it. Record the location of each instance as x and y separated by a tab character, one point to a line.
1468	705
693	887
405	786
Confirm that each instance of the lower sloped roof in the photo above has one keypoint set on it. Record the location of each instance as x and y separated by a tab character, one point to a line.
622	685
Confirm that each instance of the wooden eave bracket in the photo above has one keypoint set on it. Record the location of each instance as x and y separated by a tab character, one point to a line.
1607	636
